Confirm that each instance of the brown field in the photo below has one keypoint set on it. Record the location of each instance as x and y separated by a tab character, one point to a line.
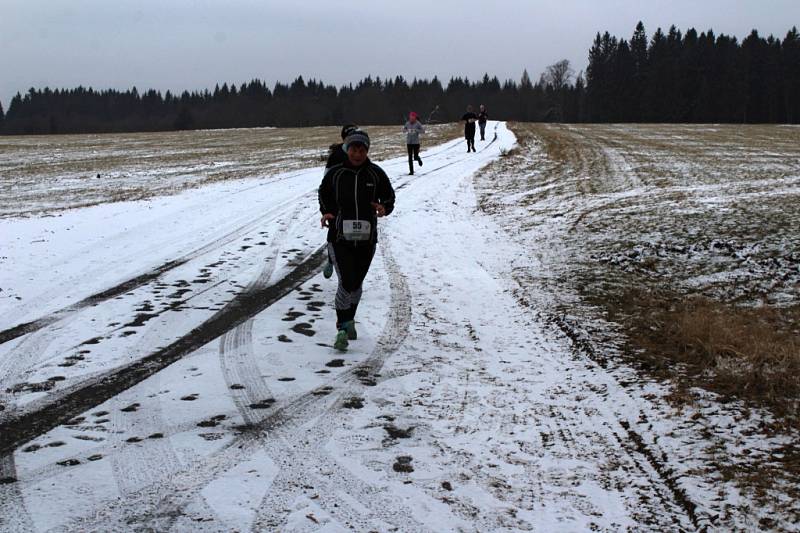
676	249
42	174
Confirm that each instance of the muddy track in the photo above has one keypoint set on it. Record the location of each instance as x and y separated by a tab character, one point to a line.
170	503
236	358
17	429
13	513
299	448
117	290
145	278
634	442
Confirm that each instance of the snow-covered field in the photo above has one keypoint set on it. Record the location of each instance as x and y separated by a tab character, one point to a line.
165	365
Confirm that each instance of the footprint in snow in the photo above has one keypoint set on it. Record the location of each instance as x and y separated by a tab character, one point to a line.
211	422
353	403
304	328
403	464
291	316
263	404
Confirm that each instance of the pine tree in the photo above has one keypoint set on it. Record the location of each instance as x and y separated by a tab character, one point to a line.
638	48
791	75
184	120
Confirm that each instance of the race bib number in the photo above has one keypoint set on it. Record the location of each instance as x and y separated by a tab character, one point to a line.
356	230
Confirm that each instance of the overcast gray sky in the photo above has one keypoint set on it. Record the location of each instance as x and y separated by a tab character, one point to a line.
193	44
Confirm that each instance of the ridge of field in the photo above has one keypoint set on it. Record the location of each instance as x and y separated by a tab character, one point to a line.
50	173
673	249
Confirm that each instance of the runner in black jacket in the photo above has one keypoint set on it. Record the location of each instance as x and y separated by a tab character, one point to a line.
336	155
352	196
469	119
483	116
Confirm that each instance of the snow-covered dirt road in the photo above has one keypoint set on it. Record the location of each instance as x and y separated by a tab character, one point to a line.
168	367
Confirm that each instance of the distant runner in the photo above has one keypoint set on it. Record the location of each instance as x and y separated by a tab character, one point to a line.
352	196
336	155
469	119
483	116
413	128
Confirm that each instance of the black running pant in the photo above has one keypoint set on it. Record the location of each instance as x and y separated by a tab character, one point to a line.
352	264
471	143
482	126
413	155
469	133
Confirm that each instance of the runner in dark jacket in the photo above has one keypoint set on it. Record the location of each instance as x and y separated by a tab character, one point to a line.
336	155
469	119
352	196
483	116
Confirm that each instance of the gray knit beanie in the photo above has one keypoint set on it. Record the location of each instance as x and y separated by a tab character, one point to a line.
356	137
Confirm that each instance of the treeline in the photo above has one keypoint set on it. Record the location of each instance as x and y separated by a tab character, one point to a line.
693	78
668	77
301	103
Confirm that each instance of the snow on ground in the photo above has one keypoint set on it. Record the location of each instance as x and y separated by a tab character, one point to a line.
459	408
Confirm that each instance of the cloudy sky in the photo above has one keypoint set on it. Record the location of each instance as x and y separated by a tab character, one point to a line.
193	44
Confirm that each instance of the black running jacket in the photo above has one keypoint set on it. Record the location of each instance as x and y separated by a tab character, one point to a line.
348	192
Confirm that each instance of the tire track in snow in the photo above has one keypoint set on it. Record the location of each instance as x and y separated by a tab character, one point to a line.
237	360
146	463
241	373
158	507
137	465
12	365
301	452
149	276
23	357
630	439
619	434
294	446
14	514
21	427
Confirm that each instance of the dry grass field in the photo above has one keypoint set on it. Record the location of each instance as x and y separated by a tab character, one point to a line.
684	236
675	249
44	174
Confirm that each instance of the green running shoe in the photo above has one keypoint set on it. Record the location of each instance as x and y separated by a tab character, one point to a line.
328	270
350	328
341	341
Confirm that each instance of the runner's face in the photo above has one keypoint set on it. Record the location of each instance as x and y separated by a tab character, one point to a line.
357	153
